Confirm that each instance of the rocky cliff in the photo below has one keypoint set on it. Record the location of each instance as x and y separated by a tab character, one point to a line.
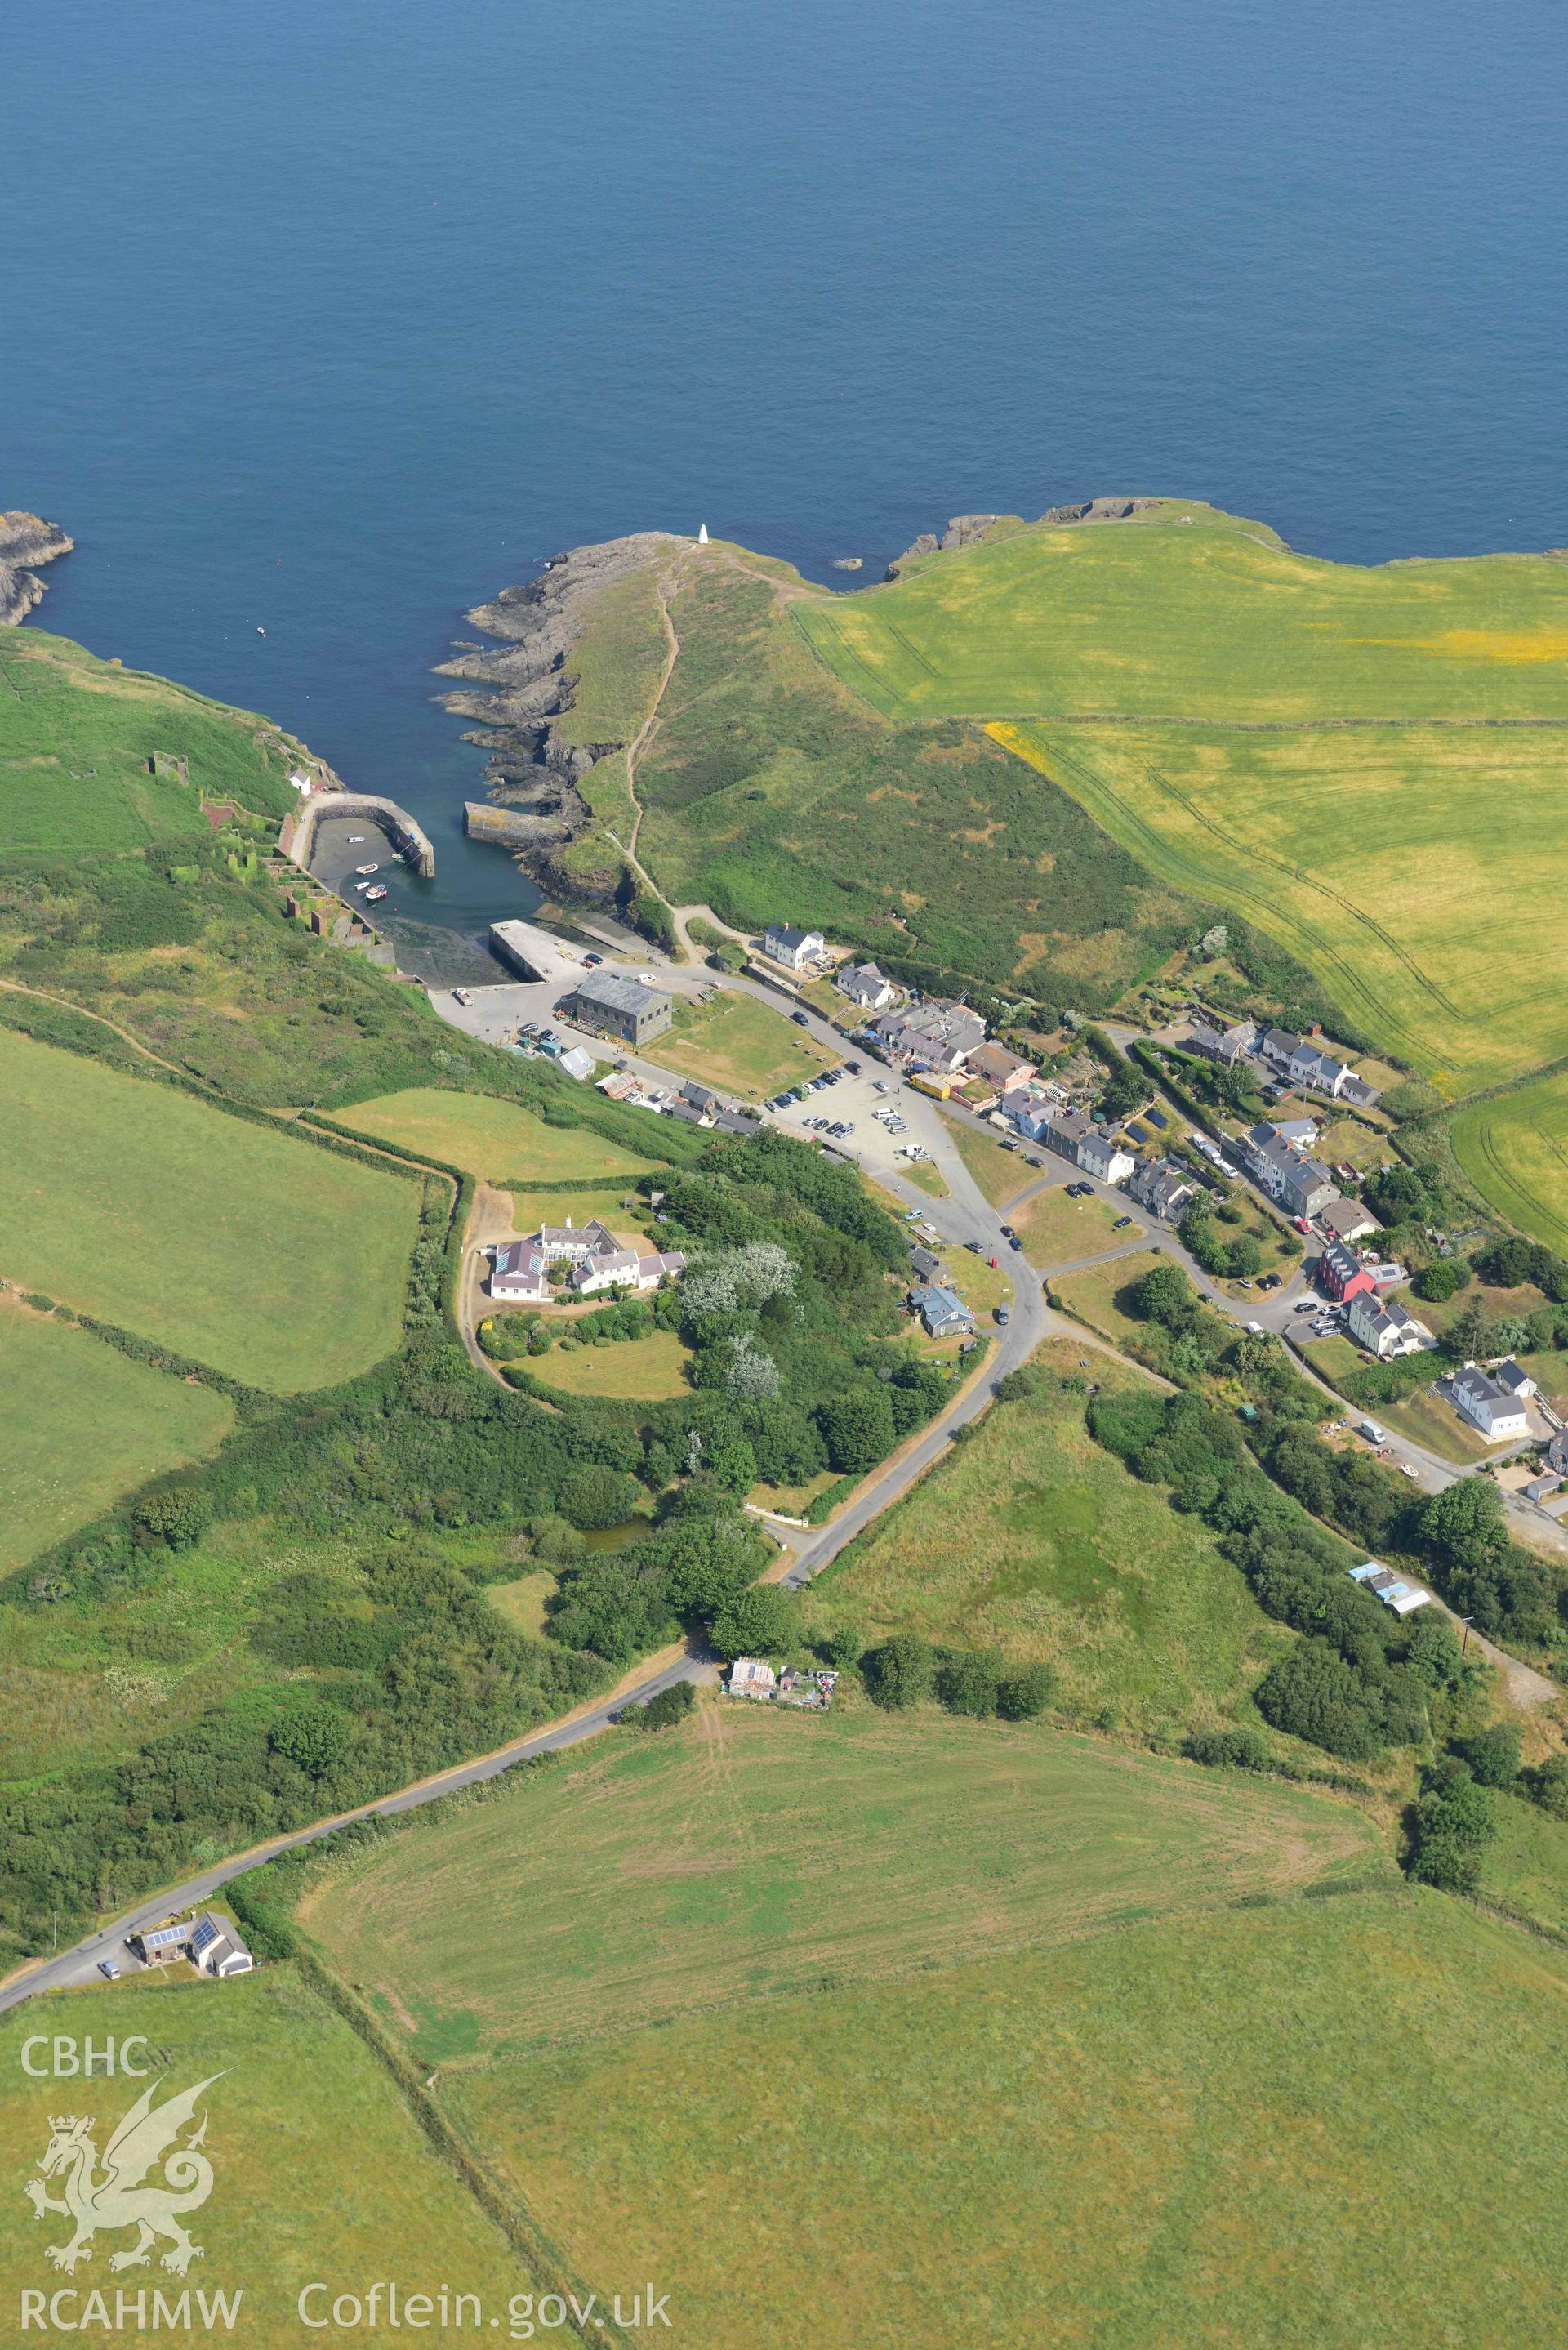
25	539
519	687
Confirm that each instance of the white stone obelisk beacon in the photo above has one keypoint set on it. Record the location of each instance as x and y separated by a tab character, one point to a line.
702	535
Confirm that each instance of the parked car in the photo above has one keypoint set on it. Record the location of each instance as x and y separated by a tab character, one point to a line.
1007	1232
968	1244
1121	1224
1003	1313
880	1085
108	1969
590	960
800	1019
852	1067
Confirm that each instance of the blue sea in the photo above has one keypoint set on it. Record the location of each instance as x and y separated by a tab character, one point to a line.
331	321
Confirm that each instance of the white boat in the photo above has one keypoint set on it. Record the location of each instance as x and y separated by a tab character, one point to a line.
356	841
372	897
367	868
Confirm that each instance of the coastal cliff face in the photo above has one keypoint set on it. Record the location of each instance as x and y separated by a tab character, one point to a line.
520	688
25	539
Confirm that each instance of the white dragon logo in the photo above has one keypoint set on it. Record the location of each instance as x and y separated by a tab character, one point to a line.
119	2199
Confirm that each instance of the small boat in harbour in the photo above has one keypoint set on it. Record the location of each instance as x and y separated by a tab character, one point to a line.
371	896
367	868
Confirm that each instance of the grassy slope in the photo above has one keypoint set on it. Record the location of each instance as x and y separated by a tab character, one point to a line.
320	2170
82	1425
755	1853
1514	1147
769	786
275	1261
1034	1540
1374	856
498	1140
1323	2124
76	736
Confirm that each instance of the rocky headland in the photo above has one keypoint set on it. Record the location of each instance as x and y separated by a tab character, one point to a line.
519	689
25	539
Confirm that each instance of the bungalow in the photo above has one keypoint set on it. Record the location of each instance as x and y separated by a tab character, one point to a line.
213	1944
1160	1188
1104	1158
1385	1331
1403	1598
867	986
942	1311
1342	1274
794	949
1348	1220
1489	1406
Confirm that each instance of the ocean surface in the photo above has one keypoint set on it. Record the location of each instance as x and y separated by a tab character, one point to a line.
330	321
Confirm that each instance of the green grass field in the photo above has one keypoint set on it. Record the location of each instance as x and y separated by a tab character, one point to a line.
1526	1865
82	1425
1514	1149
75	737
1092	1295
1000	1173
498	1140
645	1370
277	1262
1055	1228
1188	620
320	2170
737	1045
1034	1540
1372	856
1325	2123
751	1854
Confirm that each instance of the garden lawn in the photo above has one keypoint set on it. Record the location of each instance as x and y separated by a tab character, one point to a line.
1427	1421
83	1424
268	1257
737	1045
320	2170
1034	1540
642	1370
1182	2134
754	1852
498	1140
1514	1149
